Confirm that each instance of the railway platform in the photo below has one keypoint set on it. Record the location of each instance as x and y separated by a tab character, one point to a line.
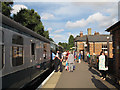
81	77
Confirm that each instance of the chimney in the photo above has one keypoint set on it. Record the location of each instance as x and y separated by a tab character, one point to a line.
81	34
96	33
89	31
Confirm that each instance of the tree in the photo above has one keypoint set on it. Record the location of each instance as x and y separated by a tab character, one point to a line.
51	39
39	28
28	18
71	41
64	45
60	43
6	8
46	34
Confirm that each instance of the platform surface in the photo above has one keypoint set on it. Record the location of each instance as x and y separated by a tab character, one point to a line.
81	77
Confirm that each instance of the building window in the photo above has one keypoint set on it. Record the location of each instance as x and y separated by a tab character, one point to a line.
17	50
104	45
104	48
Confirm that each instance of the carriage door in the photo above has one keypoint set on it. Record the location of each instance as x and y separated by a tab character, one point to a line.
32	60
119	58
1	50
33	51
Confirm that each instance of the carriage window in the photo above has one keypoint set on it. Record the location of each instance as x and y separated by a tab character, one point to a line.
33	48
1	49
45	51
17	56
1	56
17	50
0	36
17	40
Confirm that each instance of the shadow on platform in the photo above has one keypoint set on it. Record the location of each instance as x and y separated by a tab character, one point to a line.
94	71
113	83
99	84
107	79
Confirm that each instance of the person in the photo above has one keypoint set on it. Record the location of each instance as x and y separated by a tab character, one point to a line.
44	54
64	55
71	61
67	54
53	56
92	61
66	65
103	65
79	57
60	58
75	56
88	57
56	61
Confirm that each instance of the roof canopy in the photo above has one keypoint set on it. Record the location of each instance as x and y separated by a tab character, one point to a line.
114	27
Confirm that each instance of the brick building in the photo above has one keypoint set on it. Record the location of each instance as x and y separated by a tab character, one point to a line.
95	43
115	31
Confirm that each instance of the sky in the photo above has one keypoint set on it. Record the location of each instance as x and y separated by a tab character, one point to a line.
66	18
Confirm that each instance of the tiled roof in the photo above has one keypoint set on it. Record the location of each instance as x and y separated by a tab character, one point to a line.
94	38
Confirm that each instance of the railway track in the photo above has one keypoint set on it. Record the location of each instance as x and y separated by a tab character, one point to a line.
38	81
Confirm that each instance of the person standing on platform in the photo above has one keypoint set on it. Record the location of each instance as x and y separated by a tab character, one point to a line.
75	56
66	65
60	58
67	55
64	56
71	61
79	57
53	55
103	65
88	57
56	61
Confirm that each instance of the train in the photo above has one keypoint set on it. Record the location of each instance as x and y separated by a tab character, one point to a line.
24	54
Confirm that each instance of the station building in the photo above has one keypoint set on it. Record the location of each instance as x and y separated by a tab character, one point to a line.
115	31
94	43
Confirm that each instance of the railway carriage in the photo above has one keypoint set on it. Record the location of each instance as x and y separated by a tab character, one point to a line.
24	55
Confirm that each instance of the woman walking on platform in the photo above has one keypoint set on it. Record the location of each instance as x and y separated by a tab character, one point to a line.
103	65
79	57
71	61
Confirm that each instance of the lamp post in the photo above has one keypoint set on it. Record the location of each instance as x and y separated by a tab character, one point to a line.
85	49
108	46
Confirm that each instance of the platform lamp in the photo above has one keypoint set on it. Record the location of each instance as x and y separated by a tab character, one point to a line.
85	51
108	46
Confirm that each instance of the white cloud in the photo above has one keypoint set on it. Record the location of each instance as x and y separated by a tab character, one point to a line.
66	0
66	10
59	38
17	8
80	23
49	29
58	31
74	34
113	10
103	21
47	16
